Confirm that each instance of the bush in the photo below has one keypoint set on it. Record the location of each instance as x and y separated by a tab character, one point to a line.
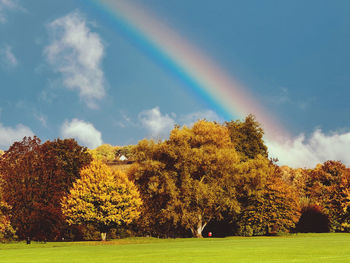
313	220
245	231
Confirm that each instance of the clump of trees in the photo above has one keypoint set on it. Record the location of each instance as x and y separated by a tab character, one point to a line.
108	153
104	152
209	175
34	179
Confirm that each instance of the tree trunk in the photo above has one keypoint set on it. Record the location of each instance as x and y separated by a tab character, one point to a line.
197	231
103	236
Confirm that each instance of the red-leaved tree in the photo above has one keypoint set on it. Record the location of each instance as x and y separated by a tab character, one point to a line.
35	178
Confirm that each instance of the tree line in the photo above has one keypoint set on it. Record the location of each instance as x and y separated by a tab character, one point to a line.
208	177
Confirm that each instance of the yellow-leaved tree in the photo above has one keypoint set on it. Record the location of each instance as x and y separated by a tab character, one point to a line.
103	198
104	152
189	179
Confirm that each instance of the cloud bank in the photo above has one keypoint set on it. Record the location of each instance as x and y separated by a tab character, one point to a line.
10	135
76	53
307	152
84	132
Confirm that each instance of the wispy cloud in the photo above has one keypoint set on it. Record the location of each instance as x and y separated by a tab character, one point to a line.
41	118
9	135
8	5
76	53
159	125
307	152
283	97
190	119
7	58
84	132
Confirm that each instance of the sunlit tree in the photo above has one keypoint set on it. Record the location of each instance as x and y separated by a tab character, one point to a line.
104	152
189	179
102	198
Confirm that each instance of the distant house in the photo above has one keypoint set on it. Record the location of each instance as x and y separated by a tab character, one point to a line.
123	158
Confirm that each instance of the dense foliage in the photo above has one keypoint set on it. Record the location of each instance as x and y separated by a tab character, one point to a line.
205	177
104	152
328	186
102	198
35	177
188	179
270	205
247	137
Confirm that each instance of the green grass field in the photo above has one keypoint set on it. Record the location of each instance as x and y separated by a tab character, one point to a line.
292	248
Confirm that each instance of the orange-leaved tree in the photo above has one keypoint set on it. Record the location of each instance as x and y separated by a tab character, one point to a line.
102	198
328	187
6	230
268	203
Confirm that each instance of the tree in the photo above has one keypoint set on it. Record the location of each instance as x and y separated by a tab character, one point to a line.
1	152
189	179
268	204
126	150
102	198
328	188
35	178
104	152
6	230
247	137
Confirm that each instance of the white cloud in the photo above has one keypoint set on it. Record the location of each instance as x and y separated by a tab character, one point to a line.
7	5
320	147
157	124
7	58
84	132
9	135
76	53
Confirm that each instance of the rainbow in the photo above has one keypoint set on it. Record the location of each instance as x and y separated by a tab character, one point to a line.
199	72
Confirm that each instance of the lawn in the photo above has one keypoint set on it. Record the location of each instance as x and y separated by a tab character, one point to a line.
292	248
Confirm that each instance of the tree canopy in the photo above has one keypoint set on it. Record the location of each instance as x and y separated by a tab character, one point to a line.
328	187
268	204
35	177
188	179
104	152
247	137
103	198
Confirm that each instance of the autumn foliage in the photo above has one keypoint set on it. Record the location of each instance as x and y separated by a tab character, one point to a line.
102	198
35	177
204	177
189	179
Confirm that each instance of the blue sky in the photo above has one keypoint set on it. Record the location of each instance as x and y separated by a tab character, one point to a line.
67	70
